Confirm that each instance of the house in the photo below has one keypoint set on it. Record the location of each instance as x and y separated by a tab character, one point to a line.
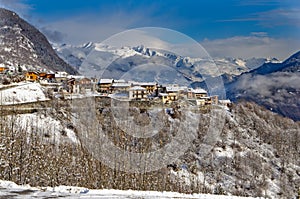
105	85
200	102
3	69
214	99
85	82
164	97
31	76
120	87
196	93
173	93
50	76
226	102
61	76
42	75
169	93
137	93
150	87
71	86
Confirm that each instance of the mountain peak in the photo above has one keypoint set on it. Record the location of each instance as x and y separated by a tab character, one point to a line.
294	58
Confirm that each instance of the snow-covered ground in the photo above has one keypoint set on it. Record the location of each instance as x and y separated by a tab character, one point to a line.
11	190
22	93
44	124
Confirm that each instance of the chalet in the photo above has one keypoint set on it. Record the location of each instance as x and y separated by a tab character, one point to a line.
170	93
225	102
42	75
196	93
137	93
105	85
164	97
61	76
31	76
214	99
150	87
85	82
3	69
173	93
201	102
71	86
120	86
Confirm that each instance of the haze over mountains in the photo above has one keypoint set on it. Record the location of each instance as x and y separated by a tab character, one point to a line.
92	57
273	85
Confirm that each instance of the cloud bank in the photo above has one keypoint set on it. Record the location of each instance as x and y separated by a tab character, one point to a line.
254	45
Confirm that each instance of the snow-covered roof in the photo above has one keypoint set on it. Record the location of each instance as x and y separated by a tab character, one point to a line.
175	88
199	90
119	81
106	81
163	94
147	83
62	73
172	89
75	76
137	88
121	85
227	101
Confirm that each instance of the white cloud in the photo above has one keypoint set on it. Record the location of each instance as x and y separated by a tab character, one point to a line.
82	29
102	25
15	5
252	46
280	17
272	18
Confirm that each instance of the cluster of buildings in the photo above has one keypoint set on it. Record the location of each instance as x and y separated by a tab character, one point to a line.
145	91
66	85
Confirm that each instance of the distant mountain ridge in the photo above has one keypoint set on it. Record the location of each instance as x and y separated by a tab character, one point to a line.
290	64
273	85
25	46
94	56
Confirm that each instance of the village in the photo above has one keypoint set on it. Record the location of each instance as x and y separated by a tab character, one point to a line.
65	86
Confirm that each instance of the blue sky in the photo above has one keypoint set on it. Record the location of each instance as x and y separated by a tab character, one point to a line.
225	27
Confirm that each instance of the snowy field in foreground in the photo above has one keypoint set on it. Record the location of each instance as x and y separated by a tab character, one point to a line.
11	190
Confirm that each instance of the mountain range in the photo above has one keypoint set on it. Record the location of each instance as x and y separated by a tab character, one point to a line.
22	45
111	62
273	85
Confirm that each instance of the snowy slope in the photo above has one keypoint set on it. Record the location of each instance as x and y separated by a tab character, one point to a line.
22	46
22	93
9	189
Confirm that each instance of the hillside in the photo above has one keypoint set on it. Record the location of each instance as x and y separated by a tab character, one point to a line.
255	153
22	45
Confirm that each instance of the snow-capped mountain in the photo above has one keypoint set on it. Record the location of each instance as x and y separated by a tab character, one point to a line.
107	61
22	45
274	85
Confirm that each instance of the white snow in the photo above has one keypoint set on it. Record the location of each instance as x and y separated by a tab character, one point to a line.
81	192
30	92
220	152
44	124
